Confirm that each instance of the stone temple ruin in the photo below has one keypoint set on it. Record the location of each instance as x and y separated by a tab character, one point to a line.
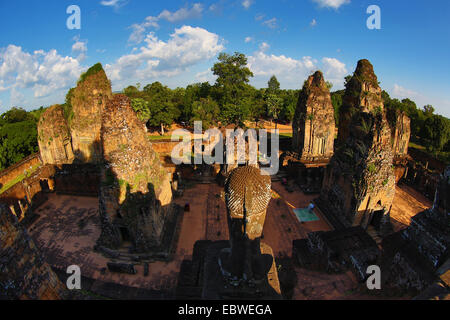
243	267
96	146
418	257
135	195
400	125
88	101
72	134
54	137
337	251
101	149
313	134
401	132
24	274
247	195
359	184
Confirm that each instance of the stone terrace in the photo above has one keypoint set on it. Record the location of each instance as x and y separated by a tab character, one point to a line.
69	226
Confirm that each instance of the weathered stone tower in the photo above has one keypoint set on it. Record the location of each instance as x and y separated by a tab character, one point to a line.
54	137
88	100
401	133
362	94
135	192
72	133
313	125
313	134
98	134
359	184
23	272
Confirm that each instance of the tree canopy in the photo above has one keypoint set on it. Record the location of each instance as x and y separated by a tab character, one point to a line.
230	100
18	135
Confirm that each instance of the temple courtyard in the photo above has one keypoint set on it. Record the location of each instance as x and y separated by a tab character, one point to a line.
67	228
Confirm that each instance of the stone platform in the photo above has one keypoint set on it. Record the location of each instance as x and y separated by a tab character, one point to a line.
215	287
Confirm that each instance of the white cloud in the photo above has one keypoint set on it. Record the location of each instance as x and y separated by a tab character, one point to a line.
403	92
248	39
247	3
271	23
313	23
442	105
259	17
289	71
2	86
292	72
182	14
16	98
206	76
335	4
42	72
186	47
264	46
334	71
139	29
80	48
114	3
214	7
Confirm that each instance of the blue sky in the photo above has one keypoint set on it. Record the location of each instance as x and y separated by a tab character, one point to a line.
177	42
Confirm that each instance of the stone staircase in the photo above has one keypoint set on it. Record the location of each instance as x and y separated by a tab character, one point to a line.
373	233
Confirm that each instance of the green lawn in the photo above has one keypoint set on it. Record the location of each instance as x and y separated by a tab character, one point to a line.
19	178
441	156
285	135
417	146
166	137
155	138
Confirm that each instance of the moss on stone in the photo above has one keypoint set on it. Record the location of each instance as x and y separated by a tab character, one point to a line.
91	71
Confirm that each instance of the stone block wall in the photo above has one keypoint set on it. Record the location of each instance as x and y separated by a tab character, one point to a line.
23	272
30	192
19	168
82	179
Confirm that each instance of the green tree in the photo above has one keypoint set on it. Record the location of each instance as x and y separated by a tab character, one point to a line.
17	141
193	92
336	100
347	80
428	110
132	92
163	111
205	110
273	86
236	113
289	104
436	130
141	107
230	89
232	75
14	115
273	107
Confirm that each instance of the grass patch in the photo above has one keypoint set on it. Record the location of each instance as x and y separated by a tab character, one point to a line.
285	135
19	178
440	155
156	138
417	146
372	168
